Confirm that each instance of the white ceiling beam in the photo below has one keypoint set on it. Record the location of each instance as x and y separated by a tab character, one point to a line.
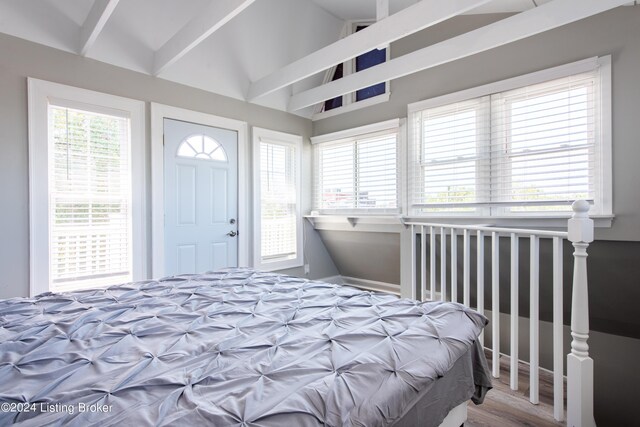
401	24
94	24
525	24
208	21
382	9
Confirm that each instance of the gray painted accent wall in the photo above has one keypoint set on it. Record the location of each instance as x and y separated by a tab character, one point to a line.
614	260
371	256
22	59
616	32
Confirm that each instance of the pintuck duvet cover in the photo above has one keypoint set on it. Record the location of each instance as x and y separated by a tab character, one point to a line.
236	347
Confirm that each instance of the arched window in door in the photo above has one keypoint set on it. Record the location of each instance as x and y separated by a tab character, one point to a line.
202	147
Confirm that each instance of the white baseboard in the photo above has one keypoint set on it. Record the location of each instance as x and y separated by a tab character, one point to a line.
367	284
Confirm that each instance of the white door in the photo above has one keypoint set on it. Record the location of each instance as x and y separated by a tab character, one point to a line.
201	197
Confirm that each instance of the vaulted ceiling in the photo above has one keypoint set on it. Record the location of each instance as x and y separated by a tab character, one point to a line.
263	51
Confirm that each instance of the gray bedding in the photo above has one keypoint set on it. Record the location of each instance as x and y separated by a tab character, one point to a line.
231	348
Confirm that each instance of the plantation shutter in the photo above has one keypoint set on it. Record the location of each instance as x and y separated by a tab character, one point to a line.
453	168
544	142
357	174
90	199
278	201
530	149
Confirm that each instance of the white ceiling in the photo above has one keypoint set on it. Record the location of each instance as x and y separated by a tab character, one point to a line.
366	9
260	40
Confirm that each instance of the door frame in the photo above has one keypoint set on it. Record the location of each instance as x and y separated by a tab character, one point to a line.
159	112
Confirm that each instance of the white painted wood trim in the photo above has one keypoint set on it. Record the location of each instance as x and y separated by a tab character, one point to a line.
456	417
258	134
198	29
579	364
558	331
480	278
158	113
514	309
387	125
495	304
94	24
525	24
353	106
40	93
534	318
401	24
606	137
372	285
536	77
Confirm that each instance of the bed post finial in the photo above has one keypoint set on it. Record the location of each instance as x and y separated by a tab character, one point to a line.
579	364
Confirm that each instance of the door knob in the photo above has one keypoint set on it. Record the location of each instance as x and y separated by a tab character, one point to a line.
232	234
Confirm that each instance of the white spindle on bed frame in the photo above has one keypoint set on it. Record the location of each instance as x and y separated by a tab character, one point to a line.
579	364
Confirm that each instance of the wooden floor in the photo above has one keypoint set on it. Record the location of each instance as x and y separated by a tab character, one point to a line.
504	407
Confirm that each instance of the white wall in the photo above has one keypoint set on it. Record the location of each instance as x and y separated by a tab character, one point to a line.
21	59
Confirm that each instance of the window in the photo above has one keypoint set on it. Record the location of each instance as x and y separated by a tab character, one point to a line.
362	62
86	166
202	147
524	147
357	170
278	220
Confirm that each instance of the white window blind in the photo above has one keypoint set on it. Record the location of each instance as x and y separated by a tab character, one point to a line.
278	201
532	149
358	173
277	219
90	199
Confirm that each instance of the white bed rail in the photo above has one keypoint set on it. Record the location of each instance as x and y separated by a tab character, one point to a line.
436	287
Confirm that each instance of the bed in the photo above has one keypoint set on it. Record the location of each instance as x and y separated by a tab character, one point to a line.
237	347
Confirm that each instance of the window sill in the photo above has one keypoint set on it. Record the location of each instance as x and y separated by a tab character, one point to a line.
369	223
352	107
394	223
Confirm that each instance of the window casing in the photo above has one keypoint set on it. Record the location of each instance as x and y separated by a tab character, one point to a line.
86	168
363	97
357	171
522	147
277	189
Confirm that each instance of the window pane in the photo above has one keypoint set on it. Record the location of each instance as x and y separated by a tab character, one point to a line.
451	156
336	102
549	150
357	174
202	147
278	202
90	214
337	179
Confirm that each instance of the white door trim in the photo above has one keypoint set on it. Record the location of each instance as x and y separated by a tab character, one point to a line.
158	113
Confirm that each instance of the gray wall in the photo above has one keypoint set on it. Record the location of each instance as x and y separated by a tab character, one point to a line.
372	256
22	59
614	261
616	32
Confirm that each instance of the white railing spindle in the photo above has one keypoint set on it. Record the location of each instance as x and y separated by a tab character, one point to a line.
466	273
495	303
454	265
432	264
443	264
423	264
413	262
480	278
514	313
558	327
579	364
534	314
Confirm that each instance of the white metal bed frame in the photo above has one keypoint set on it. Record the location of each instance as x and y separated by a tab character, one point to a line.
579	364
